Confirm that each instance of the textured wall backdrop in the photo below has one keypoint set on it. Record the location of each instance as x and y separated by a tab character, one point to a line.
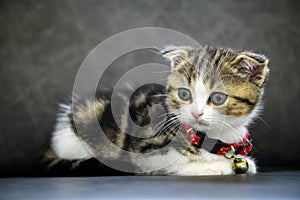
42	44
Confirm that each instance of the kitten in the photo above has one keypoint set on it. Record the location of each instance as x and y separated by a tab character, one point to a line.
212	95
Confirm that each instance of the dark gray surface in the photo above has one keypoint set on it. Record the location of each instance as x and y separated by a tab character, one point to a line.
42	44
284	185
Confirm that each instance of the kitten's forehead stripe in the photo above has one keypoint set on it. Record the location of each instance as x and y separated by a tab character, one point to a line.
217	58
198	56
212	51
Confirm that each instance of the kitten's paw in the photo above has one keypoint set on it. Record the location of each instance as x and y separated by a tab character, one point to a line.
252	166
222	167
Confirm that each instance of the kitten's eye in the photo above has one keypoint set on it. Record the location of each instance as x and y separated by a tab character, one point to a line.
184	94
218	98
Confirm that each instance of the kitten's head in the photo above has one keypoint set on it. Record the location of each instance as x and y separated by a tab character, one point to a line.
212	87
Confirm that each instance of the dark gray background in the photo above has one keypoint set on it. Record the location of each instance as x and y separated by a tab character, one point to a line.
42	44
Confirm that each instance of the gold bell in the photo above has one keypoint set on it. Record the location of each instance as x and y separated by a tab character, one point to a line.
240	165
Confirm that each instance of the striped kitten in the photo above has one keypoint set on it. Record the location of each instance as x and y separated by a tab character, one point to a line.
211	96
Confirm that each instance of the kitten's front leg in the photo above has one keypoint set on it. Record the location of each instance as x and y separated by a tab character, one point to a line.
221	166
203	168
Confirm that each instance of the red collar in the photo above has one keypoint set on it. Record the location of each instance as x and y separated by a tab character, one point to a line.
217	146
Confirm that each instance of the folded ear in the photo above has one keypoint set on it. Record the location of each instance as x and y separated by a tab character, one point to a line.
252	66
175	54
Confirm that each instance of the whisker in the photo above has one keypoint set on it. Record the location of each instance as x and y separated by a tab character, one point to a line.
229	126
165	121
167	126
161	123
168	113
168	122
263	121
156	52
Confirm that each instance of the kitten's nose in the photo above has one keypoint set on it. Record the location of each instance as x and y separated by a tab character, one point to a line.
197	115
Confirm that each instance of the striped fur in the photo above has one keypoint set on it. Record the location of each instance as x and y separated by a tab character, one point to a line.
241	75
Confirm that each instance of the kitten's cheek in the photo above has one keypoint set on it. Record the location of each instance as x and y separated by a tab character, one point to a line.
186	114
185	117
